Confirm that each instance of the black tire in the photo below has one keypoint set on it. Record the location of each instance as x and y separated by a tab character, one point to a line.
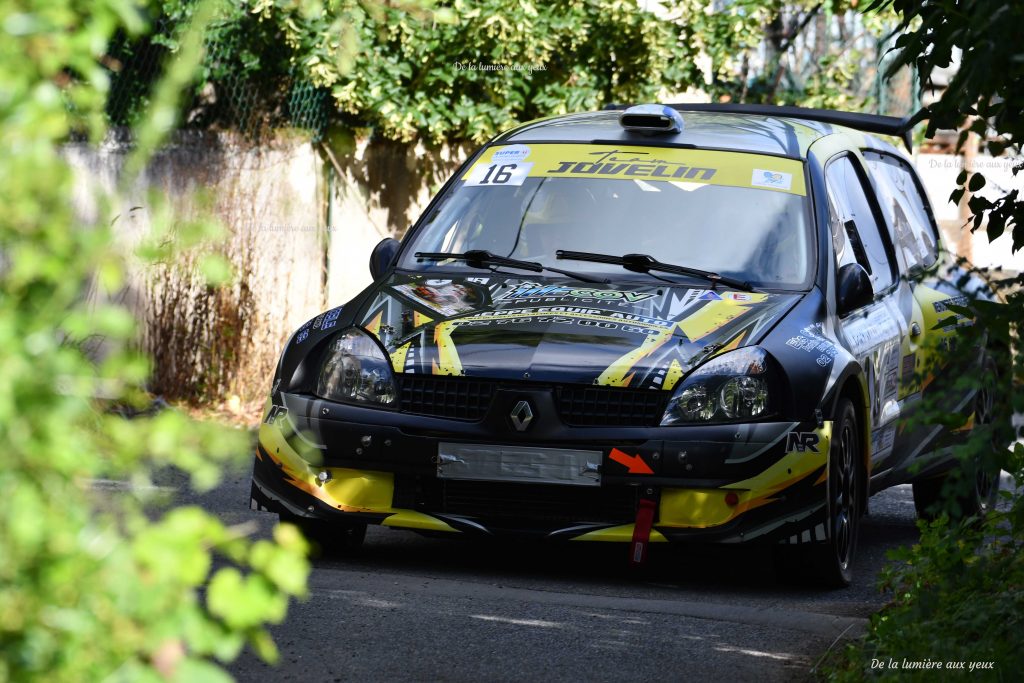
833	559
981	498
329	538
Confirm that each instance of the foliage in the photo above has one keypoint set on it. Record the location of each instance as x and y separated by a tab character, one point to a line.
986	93
957	594
957	598
95	585
463	71
474	68
803	52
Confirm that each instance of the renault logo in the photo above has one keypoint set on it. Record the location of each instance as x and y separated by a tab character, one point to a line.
521	416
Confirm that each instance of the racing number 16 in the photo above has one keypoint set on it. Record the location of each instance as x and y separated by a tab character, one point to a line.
503	175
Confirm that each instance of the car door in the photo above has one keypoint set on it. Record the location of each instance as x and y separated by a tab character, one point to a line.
873	333
912	229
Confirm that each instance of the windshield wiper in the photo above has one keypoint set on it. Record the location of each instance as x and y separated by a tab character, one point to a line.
643	263
481	258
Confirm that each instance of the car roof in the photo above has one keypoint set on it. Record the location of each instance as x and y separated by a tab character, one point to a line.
740	131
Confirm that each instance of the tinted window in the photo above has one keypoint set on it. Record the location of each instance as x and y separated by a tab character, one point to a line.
848	200
910	224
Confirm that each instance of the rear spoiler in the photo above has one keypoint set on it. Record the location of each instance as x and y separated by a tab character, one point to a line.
869	123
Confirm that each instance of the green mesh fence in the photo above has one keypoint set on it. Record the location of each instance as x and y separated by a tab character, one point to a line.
253	94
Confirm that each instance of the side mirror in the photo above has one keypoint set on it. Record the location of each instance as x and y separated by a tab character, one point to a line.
853	288
383	257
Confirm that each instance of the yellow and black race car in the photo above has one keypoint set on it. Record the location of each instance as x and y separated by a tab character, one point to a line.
648	324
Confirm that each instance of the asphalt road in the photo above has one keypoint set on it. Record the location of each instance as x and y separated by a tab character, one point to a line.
412	608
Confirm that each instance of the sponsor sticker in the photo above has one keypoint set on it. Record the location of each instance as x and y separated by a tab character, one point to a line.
500	175
510	155
801	442
773	179
655	168
534	290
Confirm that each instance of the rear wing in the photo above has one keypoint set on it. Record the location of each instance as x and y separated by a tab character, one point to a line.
869	123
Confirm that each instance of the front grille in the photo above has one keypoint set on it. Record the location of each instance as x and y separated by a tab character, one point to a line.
605	406
461	398
455	398
515	504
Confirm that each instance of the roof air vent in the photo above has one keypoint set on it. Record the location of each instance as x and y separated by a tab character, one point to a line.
652	118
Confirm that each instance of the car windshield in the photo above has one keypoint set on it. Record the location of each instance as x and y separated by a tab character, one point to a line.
741	215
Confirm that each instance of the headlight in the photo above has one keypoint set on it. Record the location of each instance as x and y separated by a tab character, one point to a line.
355	370
730	387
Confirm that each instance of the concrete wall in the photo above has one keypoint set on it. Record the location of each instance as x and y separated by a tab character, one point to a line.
378	190
209	343
300	223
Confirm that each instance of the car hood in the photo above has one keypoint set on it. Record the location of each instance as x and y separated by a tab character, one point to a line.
622	334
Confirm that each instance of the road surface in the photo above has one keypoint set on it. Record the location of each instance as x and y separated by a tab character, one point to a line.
412	608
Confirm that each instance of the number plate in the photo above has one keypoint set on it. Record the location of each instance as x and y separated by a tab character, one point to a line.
519	463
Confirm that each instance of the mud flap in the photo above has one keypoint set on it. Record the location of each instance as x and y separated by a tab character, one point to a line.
642	532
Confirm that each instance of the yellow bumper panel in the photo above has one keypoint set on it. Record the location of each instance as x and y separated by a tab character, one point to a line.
347	490
703	508
699	508
618	534
410	519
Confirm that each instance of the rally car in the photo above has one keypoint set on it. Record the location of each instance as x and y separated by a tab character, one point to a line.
647	324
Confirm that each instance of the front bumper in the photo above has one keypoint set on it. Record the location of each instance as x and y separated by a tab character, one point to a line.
720	483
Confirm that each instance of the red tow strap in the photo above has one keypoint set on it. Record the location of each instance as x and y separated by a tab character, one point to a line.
641	532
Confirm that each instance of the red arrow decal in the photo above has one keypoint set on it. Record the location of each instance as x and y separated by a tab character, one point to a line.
634	463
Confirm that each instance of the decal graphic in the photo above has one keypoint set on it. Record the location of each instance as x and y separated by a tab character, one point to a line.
634	464
954	320
499	174
510	154
812	341
506	166
301	336
444	296
942	306
507	327
331	318
533	290
881	441
802	441
909	364
774	179
875	341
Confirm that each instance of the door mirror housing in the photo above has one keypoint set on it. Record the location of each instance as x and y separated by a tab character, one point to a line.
383	257
853	288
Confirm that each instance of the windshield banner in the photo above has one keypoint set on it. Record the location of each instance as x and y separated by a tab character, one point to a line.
512	164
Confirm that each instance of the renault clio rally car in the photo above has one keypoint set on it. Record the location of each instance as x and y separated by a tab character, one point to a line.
650	324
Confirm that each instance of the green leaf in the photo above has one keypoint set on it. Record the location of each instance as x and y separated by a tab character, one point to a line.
977	182
192	670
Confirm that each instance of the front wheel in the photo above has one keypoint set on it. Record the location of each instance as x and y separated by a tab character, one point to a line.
830	562
833	559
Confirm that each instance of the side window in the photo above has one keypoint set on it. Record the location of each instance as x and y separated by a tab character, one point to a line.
862	232
840	241
905	209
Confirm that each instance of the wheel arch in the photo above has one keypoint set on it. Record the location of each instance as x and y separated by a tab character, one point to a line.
853	386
